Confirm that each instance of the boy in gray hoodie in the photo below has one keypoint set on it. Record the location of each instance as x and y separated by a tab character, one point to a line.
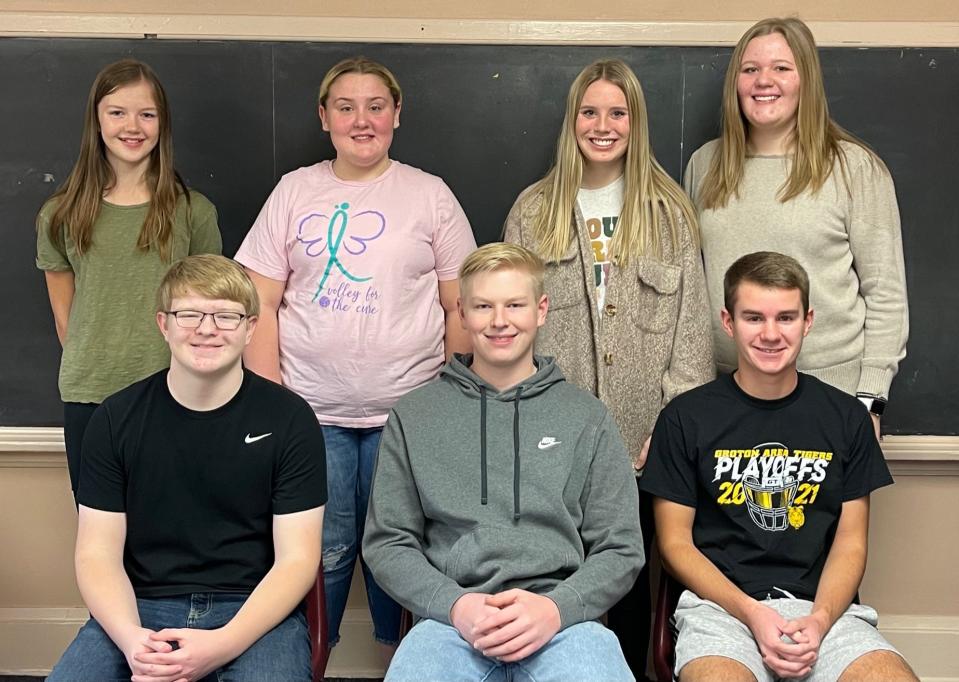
501	507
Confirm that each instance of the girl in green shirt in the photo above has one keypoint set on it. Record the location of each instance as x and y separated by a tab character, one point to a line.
107	236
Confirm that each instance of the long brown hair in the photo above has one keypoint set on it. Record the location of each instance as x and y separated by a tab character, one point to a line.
816	137
92	175
649	191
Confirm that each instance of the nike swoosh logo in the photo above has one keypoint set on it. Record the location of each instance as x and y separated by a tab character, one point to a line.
548	443
252	439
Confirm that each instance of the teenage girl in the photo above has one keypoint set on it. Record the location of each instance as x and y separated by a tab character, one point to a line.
106	238
627	315
785	177
356	262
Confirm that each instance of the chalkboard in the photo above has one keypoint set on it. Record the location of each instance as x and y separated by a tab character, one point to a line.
485	119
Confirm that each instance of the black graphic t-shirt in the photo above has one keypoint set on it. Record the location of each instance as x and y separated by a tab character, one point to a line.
767	477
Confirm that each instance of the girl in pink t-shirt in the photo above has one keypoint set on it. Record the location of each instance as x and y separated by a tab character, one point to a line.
356	261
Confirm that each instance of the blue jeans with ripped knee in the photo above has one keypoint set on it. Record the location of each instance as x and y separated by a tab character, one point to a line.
350	461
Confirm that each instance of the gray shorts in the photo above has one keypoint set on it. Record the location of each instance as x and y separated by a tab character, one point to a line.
706	629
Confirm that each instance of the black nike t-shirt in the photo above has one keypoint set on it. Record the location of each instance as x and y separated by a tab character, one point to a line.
767	477
199	489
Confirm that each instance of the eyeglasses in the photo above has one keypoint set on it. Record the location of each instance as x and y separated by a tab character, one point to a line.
192	319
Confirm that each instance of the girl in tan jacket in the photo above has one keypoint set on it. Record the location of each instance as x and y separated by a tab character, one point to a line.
628	307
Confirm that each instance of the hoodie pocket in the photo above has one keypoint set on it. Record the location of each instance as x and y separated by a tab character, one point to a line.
658	303
497	554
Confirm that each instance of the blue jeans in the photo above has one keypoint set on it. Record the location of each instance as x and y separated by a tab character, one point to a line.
434	652
282	654
350	461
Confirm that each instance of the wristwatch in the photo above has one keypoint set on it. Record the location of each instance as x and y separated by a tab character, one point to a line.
874	404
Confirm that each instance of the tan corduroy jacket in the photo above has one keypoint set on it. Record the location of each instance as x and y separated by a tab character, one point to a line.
653	338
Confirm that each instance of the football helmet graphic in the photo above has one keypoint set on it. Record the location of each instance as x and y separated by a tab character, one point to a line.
769	501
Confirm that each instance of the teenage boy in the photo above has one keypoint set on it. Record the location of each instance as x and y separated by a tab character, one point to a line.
201	505
761	482
500	513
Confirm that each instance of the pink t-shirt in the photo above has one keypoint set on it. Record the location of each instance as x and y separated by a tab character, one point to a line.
360	323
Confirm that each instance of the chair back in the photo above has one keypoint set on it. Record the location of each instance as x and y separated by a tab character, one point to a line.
316	618
664	633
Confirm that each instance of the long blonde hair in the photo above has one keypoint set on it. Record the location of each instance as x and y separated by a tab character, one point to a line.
649	191
81	195
815	139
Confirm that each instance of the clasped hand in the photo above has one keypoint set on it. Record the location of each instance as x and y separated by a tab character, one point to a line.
792	658
152	658
508	626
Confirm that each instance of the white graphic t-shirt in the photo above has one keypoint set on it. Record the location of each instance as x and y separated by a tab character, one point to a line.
601	208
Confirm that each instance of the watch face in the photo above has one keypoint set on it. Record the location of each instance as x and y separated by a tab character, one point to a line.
875	405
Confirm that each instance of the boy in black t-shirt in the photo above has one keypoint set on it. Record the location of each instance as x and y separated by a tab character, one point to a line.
201	505
762	481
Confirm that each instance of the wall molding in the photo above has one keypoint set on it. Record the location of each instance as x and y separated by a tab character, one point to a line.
410	30
922	455
928	642
41	447
32	639
28	635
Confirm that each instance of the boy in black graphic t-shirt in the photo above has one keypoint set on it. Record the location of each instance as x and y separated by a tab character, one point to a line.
201	505
762	481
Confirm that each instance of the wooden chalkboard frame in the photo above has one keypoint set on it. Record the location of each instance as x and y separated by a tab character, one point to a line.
483	117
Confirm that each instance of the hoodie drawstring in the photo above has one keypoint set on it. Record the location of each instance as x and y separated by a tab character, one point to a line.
519	392
483	496
516	464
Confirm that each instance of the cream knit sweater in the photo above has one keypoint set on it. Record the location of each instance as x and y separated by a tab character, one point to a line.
850	243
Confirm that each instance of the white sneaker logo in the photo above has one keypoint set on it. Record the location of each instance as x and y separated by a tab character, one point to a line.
548	442
252	439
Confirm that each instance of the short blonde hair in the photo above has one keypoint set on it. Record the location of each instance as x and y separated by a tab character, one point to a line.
209	276
361	65
503	256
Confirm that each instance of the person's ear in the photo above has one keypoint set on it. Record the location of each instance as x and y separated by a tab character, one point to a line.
161	318
461	311
251	321
542	307
727	320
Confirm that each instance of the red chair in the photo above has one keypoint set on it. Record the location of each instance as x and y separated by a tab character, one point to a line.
406	623
664	635
316	618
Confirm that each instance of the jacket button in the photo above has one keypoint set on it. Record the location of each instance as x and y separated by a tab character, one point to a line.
610	309
608	358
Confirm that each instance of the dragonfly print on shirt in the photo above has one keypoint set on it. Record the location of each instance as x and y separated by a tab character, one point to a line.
352	232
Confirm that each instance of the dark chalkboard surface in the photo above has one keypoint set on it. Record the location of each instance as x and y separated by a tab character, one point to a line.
485	119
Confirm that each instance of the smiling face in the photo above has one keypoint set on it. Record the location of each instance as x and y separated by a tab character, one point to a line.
501	313
360	116
602	129
206	350
768	85
768	326
129	126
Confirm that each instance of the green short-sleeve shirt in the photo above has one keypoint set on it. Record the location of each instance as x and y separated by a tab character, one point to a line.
112	337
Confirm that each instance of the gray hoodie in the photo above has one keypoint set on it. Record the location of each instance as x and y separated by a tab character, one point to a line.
478	490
